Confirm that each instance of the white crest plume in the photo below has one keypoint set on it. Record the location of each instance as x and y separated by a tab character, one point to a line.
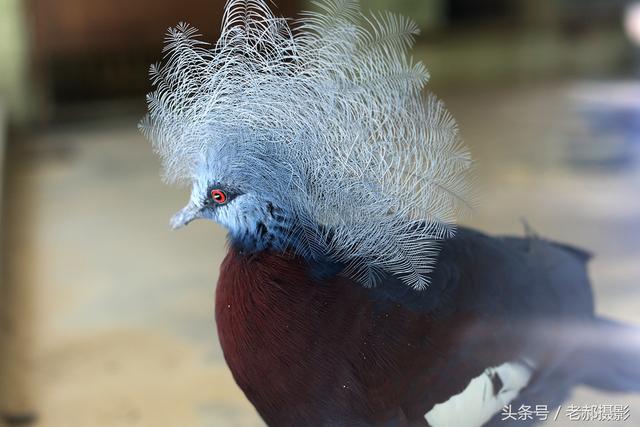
328	118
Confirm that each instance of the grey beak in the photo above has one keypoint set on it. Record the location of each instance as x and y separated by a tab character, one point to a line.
186	215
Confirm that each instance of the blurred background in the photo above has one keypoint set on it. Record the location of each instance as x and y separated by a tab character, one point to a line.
106	317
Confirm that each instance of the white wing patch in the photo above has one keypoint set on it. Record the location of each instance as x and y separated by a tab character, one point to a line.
485	396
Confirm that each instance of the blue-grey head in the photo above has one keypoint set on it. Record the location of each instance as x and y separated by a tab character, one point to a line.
317	140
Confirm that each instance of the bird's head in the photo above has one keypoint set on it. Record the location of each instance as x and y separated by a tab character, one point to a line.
256	209
216	201
316	139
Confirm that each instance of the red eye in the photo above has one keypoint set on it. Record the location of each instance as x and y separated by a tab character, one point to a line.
218	196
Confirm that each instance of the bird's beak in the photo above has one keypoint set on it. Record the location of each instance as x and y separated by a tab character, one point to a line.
186	215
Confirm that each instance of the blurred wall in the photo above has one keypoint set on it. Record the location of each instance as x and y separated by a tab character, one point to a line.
60	53
100	50
428	14
95	50
13	59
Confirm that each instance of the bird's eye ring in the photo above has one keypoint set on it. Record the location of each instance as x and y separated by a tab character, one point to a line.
219	196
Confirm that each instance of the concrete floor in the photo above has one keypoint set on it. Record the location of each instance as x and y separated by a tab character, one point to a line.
116	311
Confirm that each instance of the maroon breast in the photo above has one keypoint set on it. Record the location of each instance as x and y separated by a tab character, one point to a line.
312	353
